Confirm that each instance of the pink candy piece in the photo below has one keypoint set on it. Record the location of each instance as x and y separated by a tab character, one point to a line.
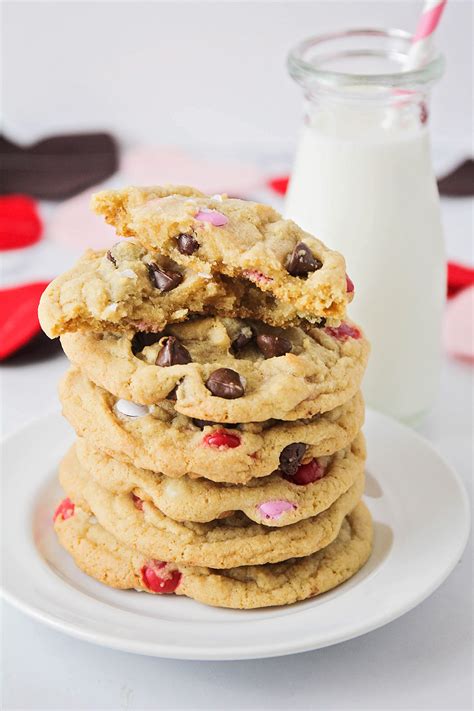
217	219
343	332
349	284
274	509
255	275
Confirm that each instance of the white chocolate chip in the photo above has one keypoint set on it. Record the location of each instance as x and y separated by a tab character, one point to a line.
131	409
111	308
216	197
127	273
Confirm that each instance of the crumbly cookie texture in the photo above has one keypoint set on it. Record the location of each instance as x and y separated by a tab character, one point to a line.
129	288
162	440
224	543
272	501
117	291
238	238
320	370
100	555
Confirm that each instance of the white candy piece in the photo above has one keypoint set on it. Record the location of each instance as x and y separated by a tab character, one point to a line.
127	273
131	409
217	197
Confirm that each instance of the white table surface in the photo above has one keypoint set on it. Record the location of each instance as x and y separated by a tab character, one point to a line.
421	661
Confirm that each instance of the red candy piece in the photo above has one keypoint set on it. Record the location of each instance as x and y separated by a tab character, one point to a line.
349	285
280	184
343	332
221	439
137	502
65	510
307	473
157	578
19	316
20	224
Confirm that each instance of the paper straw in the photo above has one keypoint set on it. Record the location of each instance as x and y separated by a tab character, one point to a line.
422	39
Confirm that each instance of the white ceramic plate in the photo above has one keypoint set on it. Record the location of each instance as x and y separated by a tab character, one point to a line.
421	518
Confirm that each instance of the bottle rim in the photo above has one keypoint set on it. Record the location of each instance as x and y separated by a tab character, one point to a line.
303	70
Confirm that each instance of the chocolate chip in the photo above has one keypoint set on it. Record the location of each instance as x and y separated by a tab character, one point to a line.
173	353
111	258
291	456
142	339
164	280
172	395
273	346
301	261
242	340
226	383
187	244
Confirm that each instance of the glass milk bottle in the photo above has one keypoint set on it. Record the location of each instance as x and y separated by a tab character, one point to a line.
363	182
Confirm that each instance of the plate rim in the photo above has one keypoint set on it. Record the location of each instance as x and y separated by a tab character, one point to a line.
267	649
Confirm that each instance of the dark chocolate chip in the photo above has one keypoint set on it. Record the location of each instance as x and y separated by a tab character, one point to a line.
242	340
291	456
172	395
187	244
273	346
141	340
173	353
226	383
301	261
111	258
164	280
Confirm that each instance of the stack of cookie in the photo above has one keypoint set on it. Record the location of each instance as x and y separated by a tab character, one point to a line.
214	390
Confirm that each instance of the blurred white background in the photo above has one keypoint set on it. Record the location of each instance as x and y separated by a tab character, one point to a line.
207	74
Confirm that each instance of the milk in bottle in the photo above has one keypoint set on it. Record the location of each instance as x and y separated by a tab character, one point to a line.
363	182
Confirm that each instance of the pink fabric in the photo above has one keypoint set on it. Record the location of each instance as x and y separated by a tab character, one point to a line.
161	165
74	225
458	332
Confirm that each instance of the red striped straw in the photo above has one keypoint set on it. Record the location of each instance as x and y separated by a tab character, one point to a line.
427	24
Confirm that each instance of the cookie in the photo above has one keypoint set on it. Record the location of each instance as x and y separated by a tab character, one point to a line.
100	555
238	238
160	439
285	374
124	289
224	543
128	288
274	500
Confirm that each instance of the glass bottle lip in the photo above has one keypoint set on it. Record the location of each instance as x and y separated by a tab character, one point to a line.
304	71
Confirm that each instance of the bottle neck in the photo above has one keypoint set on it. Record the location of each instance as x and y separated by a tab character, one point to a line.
366	111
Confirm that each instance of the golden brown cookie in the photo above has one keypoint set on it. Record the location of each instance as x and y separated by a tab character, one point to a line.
286	374
238	238
273	500
129	288
160	439
224	543
100	555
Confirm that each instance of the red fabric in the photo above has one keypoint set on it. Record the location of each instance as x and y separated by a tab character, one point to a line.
459	277
20	224
19	316
279	184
